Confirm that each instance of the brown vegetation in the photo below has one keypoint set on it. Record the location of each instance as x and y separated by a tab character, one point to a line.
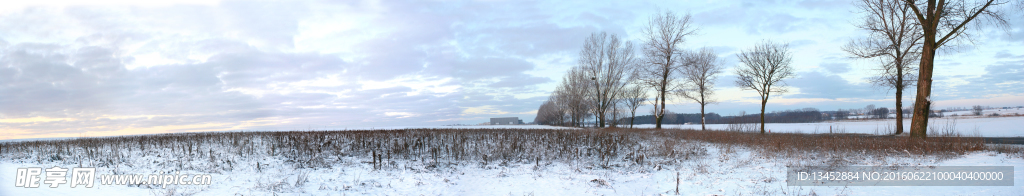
219	151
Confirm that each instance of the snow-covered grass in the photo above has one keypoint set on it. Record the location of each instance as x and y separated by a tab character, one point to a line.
493	162
988	112
965	126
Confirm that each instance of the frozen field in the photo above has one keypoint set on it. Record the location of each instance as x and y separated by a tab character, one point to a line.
738	173
252	167
965	125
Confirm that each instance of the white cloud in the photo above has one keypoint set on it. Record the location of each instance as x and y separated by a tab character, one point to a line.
110	67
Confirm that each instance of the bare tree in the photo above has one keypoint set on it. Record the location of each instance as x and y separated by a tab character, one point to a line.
608	62
551	112
941	23
573	93
664	34
895	40
977	109
764	67
633	97
700	72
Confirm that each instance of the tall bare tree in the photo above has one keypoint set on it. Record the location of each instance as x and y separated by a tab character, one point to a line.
664	36
942	22
893	39
608	62
633	97
573	93
764	67
701	70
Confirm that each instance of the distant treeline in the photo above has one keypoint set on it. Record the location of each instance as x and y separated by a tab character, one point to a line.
788	116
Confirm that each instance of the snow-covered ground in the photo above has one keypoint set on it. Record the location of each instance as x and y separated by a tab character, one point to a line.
966	126
1004	126
722	171
1002	112
987	112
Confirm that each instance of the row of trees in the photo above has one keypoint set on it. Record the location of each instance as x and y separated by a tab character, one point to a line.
610	80
608	75
901	34
597	87
807	115
869	111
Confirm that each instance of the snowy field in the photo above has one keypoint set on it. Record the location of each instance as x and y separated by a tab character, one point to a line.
1001	112
706	169
964	125
737	173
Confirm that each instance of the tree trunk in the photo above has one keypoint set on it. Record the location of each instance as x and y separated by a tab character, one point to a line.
664	84
600	106
660	114
702	128
763	103
899	101
922	106
702	103
657	120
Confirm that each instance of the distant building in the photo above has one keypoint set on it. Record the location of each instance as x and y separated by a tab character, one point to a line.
506	121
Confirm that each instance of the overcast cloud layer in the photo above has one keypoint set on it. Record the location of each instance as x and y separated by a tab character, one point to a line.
112	69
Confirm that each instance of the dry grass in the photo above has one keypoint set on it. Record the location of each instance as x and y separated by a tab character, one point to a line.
220	151
784	142
1009	149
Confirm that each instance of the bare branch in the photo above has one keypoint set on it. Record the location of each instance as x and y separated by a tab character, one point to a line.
764	67
664	34
699	74
608	62
894	39
942	22
633	97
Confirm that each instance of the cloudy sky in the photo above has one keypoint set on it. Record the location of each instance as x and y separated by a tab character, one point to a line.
70	69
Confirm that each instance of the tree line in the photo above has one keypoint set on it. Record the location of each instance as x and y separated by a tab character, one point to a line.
788	116
610	81
903	37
